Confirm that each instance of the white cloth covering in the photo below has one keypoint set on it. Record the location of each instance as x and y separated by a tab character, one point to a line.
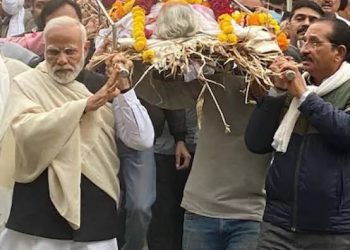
208	24
12	240
16	10
284	131
4	87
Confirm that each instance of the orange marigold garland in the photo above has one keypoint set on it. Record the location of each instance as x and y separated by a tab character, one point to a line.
283	41
120	9
262	19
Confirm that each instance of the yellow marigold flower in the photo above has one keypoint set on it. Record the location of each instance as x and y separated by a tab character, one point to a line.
138	9
128	5
139	45
222	37
138	33
232	38
227	29
222	24
277	29
263	18
224	17
148	55
137	13
139	19
138	26
141	39
274	22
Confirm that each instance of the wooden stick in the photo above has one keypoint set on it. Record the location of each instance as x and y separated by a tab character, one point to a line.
245	9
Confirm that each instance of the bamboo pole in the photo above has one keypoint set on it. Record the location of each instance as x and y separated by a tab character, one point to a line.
114	28
241	6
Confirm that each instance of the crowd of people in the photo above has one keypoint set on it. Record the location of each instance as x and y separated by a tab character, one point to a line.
88	162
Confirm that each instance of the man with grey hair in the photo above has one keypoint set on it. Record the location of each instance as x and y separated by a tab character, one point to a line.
66	186
184	22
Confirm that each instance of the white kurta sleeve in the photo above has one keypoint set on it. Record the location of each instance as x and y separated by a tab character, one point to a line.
133	124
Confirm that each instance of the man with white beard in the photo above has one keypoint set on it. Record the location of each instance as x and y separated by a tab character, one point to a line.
67	190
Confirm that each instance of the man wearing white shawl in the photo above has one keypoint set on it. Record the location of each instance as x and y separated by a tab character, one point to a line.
308	188
67	190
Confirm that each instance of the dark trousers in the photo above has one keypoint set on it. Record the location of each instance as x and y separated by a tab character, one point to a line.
276	238
165	232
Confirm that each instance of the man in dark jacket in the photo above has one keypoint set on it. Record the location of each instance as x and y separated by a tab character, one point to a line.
308	189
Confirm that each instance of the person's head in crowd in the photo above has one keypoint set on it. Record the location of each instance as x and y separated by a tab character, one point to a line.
326	46
329	6
57	8
276	8
344	9
303	14
37	7
65	48
176	19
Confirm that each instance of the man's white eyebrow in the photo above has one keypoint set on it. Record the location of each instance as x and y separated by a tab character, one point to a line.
70	46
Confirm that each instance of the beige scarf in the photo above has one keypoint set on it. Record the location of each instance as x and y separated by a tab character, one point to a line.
52	133
4	87
284	131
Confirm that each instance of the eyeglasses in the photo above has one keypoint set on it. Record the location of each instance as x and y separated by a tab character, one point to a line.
313	45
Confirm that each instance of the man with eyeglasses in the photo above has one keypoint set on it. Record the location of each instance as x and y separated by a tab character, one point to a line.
308	189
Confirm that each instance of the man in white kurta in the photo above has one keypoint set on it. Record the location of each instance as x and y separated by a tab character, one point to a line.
65	144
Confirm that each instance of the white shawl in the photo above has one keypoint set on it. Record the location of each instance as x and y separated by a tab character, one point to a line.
52	133
284	131
4	87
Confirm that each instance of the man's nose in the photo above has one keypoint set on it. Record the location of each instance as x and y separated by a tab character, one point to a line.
304	50
306	22
62	58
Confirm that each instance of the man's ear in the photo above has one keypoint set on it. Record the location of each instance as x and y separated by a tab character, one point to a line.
341	53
